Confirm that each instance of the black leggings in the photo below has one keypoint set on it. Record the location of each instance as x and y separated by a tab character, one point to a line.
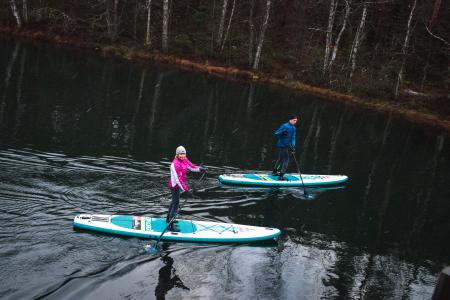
283	161
173	208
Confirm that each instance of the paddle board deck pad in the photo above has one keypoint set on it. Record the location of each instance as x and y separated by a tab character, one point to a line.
293	180
189	230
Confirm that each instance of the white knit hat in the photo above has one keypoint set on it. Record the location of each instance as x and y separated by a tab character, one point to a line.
180	150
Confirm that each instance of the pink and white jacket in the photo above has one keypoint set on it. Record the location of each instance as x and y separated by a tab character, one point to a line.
178	170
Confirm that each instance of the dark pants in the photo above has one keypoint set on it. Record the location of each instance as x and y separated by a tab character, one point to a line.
283	161
173	208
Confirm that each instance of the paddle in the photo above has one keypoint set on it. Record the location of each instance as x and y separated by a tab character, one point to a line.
299	173
154	248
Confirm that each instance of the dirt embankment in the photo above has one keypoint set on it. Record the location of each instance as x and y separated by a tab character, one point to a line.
399	109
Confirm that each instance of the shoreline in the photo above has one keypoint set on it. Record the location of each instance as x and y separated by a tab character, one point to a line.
134	53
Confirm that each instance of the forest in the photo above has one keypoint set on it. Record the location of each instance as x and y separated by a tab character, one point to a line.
384	49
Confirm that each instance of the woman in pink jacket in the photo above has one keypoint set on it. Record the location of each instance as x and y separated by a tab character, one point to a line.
177	182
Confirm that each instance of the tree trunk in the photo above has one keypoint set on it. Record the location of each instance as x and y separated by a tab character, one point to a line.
333	5
261	36
149	10
213	19
136	14
356	44
222	23
25	10
405	50
252	33
228	27
112	19
16	13
338	39
165	25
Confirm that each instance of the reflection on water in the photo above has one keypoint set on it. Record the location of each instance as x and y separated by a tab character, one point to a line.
168	278
84	134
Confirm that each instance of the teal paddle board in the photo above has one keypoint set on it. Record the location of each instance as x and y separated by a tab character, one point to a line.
188	230
293	180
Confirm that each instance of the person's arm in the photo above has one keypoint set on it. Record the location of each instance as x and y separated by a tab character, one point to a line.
176	180
192	167
281	130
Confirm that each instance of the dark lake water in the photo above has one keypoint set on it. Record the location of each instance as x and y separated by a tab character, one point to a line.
81	133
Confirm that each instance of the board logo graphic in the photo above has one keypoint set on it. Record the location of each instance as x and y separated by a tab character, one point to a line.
136	222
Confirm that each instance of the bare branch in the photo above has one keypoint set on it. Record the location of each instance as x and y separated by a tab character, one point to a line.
68	21
435	36
316	29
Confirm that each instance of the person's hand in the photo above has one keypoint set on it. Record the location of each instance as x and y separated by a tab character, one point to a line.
187	194
202	169
292	149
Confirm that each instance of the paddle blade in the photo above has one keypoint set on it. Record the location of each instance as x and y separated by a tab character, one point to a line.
308	196
153	248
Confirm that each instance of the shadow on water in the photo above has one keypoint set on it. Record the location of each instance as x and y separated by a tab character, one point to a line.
84	134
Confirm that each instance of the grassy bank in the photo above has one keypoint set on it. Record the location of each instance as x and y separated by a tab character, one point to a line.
404	109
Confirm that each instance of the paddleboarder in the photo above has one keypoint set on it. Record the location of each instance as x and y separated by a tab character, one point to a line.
285	136
177	182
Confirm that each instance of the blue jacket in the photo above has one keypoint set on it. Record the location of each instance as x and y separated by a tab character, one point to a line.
285	136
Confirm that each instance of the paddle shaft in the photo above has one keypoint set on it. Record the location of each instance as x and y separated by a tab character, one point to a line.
299	173
178	210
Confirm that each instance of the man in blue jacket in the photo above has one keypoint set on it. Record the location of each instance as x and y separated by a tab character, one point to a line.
285	136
